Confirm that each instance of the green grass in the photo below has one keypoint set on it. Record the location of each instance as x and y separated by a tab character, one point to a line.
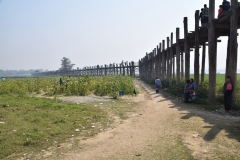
34	124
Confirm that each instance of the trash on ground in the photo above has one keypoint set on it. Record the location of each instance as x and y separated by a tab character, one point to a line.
77	130
195	135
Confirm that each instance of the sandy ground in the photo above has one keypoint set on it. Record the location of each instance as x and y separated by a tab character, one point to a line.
137	135
84	99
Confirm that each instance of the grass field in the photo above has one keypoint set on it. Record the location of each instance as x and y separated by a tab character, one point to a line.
85	85
29	125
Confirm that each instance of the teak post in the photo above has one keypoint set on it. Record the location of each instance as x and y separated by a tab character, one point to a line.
196	61
233	47
182	66
212	52
163	60
178	56
203	62
187	49
168	58
171	66
160	61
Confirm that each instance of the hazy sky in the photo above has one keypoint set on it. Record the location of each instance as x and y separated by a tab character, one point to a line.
38	33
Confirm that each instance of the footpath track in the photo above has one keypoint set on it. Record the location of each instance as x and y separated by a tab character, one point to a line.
163	128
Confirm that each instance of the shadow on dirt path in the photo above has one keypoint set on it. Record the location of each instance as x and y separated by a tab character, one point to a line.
163	128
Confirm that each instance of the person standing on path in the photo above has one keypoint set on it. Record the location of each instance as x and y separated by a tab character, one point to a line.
228	89
158	84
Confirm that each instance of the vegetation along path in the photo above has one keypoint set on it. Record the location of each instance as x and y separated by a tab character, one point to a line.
163	128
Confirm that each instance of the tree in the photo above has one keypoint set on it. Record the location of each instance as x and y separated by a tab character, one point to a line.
66	65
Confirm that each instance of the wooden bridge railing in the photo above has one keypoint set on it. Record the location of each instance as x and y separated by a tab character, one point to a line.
123	68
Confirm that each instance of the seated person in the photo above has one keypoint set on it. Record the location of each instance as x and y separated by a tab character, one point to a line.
189	90
192	86
187	84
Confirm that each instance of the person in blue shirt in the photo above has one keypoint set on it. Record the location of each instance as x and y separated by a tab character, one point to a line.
60	81
226	5
187	85
158	84
189	89
192	85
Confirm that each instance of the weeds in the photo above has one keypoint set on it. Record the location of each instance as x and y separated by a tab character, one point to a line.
102	86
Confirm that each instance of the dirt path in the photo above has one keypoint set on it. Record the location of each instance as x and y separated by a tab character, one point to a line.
164	128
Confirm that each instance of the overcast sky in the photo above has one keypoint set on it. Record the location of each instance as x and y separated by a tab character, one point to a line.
38	33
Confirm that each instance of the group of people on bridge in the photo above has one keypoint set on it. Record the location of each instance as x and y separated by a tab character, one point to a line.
203	17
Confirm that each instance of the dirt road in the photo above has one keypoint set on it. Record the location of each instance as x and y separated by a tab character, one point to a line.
164	128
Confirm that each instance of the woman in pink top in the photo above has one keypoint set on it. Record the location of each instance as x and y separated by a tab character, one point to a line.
228	89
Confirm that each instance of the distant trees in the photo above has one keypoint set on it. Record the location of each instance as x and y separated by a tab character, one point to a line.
17	73
66	64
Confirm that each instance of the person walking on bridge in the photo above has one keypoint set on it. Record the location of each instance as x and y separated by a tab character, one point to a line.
220	11
205	14
201	16
226	5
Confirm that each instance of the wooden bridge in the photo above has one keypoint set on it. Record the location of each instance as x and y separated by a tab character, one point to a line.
164	59
123	68
172	60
